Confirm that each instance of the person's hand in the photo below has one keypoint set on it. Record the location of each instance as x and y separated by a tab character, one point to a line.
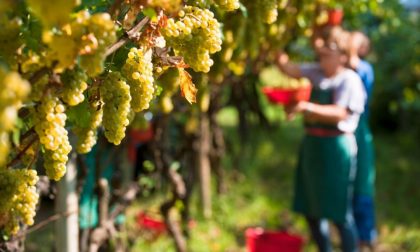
282	58
294	108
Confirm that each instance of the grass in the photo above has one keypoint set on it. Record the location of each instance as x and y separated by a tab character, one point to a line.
260	188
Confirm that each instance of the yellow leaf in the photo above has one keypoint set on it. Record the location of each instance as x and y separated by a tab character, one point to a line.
188	89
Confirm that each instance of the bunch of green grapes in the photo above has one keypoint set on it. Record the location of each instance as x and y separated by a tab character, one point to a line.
101	33
268	10
49	120
169	6
115	93
63	49
64	43
227	5
200	3
138	70
86	35
56	14
13	90
31	62
55	161
18	198
74	82
10	39
195	36
87	136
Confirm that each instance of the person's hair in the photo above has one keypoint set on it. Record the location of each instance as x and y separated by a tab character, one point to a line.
362	43
334	38
338	39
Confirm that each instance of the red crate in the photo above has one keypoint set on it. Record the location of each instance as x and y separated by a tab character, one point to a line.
259	240
287	96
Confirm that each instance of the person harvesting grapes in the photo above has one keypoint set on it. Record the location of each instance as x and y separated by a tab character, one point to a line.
326	164
363	203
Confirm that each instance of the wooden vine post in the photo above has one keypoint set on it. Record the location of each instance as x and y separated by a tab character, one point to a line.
204	165
67	227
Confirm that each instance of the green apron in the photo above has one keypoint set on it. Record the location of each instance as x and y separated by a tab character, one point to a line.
325	172
88	202
365	175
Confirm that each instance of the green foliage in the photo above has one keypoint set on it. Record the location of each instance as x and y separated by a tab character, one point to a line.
395	53
79	115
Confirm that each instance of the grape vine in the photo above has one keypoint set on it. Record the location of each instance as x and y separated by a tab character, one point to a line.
69	67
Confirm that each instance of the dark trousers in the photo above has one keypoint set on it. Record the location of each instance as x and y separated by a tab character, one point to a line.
348	234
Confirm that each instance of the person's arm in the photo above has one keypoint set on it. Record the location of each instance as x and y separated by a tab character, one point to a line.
287	67
328	114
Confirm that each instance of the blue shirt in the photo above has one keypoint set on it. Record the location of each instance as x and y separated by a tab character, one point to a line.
365	71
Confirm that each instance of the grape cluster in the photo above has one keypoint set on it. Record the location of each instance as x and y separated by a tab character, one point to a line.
103	29
169	6
200	3
13	90
227	5
195	36
18	198
115	93
31	62
55	161
62	48
87	136
74	82
49	14
268	9
86	35
49	121
138	70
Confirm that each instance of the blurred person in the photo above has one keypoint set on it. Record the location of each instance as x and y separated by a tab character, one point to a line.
363	202
326	164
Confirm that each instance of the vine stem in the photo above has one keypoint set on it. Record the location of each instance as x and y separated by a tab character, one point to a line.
127	36
41	224
22	152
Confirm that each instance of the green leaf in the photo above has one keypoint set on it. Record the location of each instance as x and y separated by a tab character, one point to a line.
16	136
150	12
79	115
148	165
243	9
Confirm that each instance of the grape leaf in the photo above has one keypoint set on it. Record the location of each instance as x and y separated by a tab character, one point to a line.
79	115
188	90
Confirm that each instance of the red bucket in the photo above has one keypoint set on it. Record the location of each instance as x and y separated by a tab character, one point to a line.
148	222
287	96
259	240
335	16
